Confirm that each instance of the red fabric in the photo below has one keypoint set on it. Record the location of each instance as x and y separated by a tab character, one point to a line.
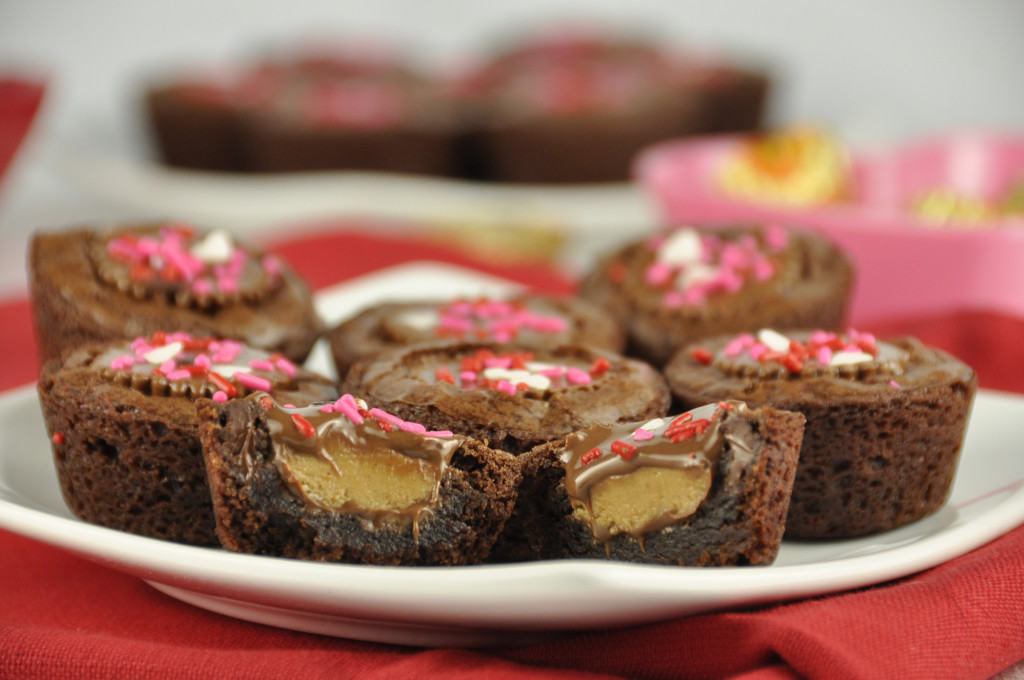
19	103
62	616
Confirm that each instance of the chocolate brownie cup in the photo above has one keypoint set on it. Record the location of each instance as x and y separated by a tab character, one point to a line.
708	487
343	483
395	121
196	118
691	282
885	420
529	320
106	285
576	109
125	433
511	398
732	96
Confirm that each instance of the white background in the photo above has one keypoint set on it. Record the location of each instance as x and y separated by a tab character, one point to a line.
876	71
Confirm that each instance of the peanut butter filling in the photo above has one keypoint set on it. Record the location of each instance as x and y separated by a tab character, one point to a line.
343	477
644	498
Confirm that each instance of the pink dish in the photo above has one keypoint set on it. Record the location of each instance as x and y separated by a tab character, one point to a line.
906	266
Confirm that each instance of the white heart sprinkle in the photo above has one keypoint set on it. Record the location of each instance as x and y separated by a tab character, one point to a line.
161	354
773	340
217	247
682	246
847	358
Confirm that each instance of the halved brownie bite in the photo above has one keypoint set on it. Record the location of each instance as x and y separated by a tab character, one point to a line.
689	282
708	487
525	320
885	419
340	482
512	398
104	285
122	421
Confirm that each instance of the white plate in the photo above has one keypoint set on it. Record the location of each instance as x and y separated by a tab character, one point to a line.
112	162
504	604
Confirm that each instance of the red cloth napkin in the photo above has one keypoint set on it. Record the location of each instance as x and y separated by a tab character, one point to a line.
62	616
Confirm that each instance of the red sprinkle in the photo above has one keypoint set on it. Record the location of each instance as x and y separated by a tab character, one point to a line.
703	355
304	427
58	438
266	402
626	451
444	373
793	363
687	430
385	425
600	365
617	271
222	383
590	456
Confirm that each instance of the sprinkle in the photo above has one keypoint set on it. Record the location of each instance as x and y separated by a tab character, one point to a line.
624	450
506	386
443	373
266	402
467	376
576	376
261	365
221	382
202	361
642	435
304	427
895	385
590	456
58	438
438	433
286	366
849	357
180	374
163	353
122	362
415	428
702	355
253	382
220	397
600	365
773	340
347	405
652	425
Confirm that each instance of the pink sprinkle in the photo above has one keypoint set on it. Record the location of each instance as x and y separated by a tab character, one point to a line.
467	377
202	361
384	415
642	435
347	405
820	337
763	269
438	433
775	237
756	350
895	385
498	362
673	299
220	397
122	362
271	265
576	376
290	406
180	374
286	366
415	428
501	335
824	356
253	382
168	366
506	387
227	284
657	273
260	365
201	286
554	372
327	408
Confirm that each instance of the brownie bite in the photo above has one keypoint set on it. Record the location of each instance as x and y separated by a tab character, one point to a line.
341	482
691	282
576	109
511	398
885	420
709	487
115	284
125	433
528	321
